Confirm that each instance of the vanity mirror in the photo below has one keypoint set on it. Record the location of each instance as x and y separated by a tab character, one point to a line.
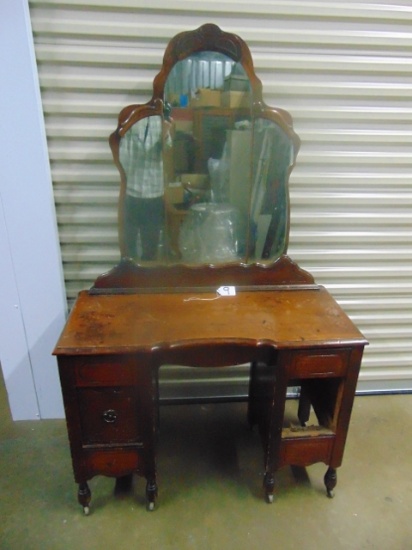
204	169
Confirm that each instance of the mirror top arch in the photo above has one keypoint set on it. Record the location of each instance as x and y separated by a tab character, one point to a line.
250	263
207	38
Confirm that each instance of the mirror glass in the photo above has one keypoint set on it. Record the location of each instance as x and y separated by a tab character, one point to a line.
205	182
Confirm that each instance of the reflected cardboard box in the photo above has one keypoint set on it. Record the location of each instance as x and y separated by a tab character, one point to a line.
174	192
185	126
206	98
237	83
236	100
195	181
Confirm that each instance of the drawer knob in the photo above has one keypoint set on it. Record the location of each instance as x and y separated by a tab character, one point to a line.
110	416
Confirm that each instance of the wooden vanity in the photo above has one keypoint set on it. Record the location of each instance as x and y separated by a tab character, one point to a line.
142	315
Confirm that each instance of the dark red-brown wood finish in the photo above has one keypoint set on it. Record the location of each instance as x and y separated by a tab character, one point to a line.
137	318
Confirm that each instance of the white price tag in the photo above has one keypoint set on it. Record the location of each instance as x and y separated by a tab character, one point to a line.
226	291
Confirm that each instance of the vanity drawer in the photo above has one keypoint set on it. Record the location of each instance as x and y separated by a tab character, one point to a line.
319	363
109	416
104	371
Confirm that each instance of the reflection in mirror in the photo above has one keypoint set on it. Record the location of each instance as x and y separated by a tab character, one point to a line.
191	169
236	210
212	233
204	168
207	200
141	157
273	157
205	181
204	71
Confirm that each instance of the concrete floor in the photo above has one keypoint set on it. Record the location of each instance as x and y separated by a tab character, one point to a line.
210	497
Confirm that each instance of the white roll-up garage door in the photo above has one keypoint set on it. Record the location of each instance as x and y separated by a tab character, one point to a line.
343	70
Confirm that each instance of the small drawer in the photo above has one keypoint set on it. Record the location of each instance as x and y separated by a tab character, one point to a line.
319	364
104	371
112	462
306	451
109	416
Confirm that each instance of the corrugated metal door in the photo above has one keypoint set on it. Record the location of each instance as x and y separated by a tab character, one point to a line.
344	71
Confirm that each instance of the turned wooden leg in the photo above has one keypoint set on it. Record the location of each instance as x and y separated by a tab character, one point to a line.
151	494
304	406
330	479
84	496
269	486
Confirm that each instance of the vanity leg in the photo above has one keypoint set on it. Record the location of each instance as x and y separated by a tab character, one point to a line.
304	406
151	494
269	486
330	479
251	408
84	496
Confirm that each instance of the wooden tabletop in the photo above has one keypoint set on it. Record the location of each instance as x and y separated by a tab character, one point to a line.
141	322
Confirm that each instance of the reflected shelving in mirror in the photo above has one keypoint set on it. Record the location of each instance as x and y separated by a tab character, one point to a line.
202	71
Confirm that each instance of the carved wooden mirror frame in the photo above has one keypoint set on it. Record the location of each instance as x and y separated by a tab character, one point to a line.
129	276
